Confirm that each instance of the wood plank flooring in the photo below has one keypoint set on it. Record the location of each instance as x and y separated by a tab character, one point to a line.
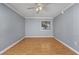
39	46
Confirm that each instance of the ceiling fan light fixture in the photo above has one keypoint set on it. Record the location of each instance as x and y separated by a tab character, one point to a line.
38	9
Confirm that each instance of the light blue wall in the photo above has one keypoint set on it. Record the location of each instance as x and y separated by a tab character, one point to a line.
66	27
11	27
33	27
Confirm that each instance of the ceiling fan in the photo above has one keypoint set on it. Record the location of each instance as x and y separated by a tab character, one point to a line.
38	7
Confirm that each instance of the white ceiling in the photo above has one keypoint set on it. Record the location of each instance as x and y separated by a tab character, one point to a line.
50	10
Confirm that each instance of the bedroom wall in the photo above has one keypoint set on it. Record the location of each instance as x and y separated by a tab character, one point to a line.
12	27
66	27
33	27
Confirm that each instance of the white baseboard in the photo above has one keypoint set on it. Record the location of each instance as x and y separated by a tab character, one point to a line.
67	46
39	36
1	52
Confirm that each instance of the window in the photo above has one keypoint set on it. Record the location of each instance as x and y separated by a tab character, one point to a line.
46	25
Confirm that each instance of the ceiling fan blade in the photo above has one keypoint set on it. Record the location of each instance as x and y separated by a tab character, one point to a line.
31	8
38	7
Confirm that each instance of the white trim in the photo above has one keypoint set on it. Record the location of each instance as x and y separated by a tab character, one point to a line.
67	45
64	9
1	52
20	13
70	5
39	17
4	50
39	36
14	9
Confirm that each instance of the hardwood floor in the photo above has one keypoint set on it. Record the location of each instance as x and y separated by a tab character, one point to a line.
39	46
